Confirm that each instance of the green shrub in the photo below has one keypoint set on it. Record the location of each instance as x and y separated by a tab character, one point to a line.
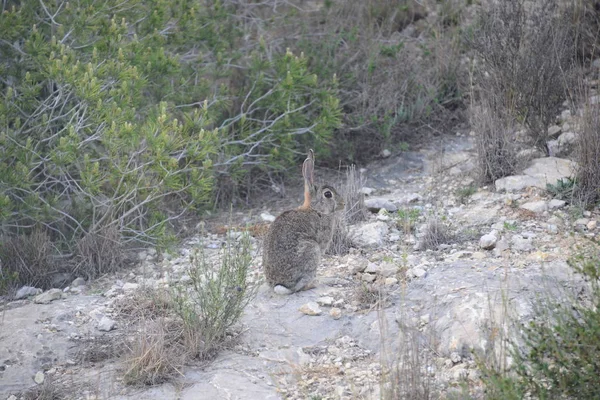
560	354
218	294
123	123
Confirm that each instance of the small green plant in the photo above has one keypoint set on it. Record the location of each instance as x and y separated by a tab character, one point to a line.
463	194
563	189
510	226
218	294
406	219
560	355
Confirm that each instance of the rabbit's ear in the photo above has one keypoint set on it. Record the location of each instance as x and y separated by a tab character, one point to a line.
308	168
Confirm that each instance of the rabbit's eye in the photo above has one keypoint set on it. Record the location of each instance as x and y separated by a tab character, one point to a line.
328	194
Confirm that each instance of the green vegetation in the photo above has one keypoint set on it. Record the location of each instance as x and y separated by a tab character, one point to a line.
463	194
563	189
559	355
192	320
121	124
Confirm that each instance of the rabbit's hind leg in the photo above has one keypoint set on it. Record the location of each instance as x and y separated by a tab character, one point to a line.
308	261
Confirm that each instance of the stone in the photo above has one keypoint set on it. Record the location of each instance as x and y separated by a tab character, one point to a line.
356	265
488	242
549	170
48	296
537	207
554	131
39	377
519	243
385	153
455	357
541	171
335	313
325	301
367	191
385	269
78	282
390	281
592	225
582	222
555	204
369	278
376	203
564	145
515	183
129	286
27	291
416	272
370	234
106	324
310	308
265	216
282	290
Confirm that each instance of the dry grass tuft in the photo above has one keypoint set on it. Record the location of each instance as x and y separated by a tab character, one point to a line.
156	354
354	211
99	252
370	296
496	150
587	155
46	391
434	234
527	52
27	260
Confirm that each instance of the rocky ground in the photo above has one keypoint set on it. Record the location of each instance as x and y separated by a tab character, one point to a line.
436	271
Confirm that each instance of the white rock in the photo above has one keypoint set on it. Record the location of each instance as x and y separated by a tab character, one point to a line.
555	204
368	277
455	357
554	131
47	297
390	281
416	272
78	282
488	242
519	243
376	203
39	377
592	225
27	291
335	313
370	234
282	290
356	265
129	286
582	222
325	301
549	170
106	324
367	191
535	206
265	216
310	308
385	153
516	183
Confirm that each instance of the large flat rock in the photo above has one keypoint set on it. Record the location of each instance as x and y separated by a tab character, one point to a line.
541	172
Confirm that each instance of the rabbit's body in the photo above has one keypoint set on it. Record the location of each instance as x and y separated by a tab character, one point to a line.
294	246
297	239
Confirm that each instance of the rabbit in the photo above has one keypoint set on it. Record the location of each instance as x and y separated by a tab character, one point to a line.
298	238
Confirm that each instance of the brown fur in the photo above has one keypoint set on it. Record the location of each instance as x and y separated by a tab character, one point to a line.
298	238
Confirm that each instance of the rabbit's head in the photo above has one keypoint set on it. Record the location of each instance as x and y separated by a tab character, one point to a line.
326	200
